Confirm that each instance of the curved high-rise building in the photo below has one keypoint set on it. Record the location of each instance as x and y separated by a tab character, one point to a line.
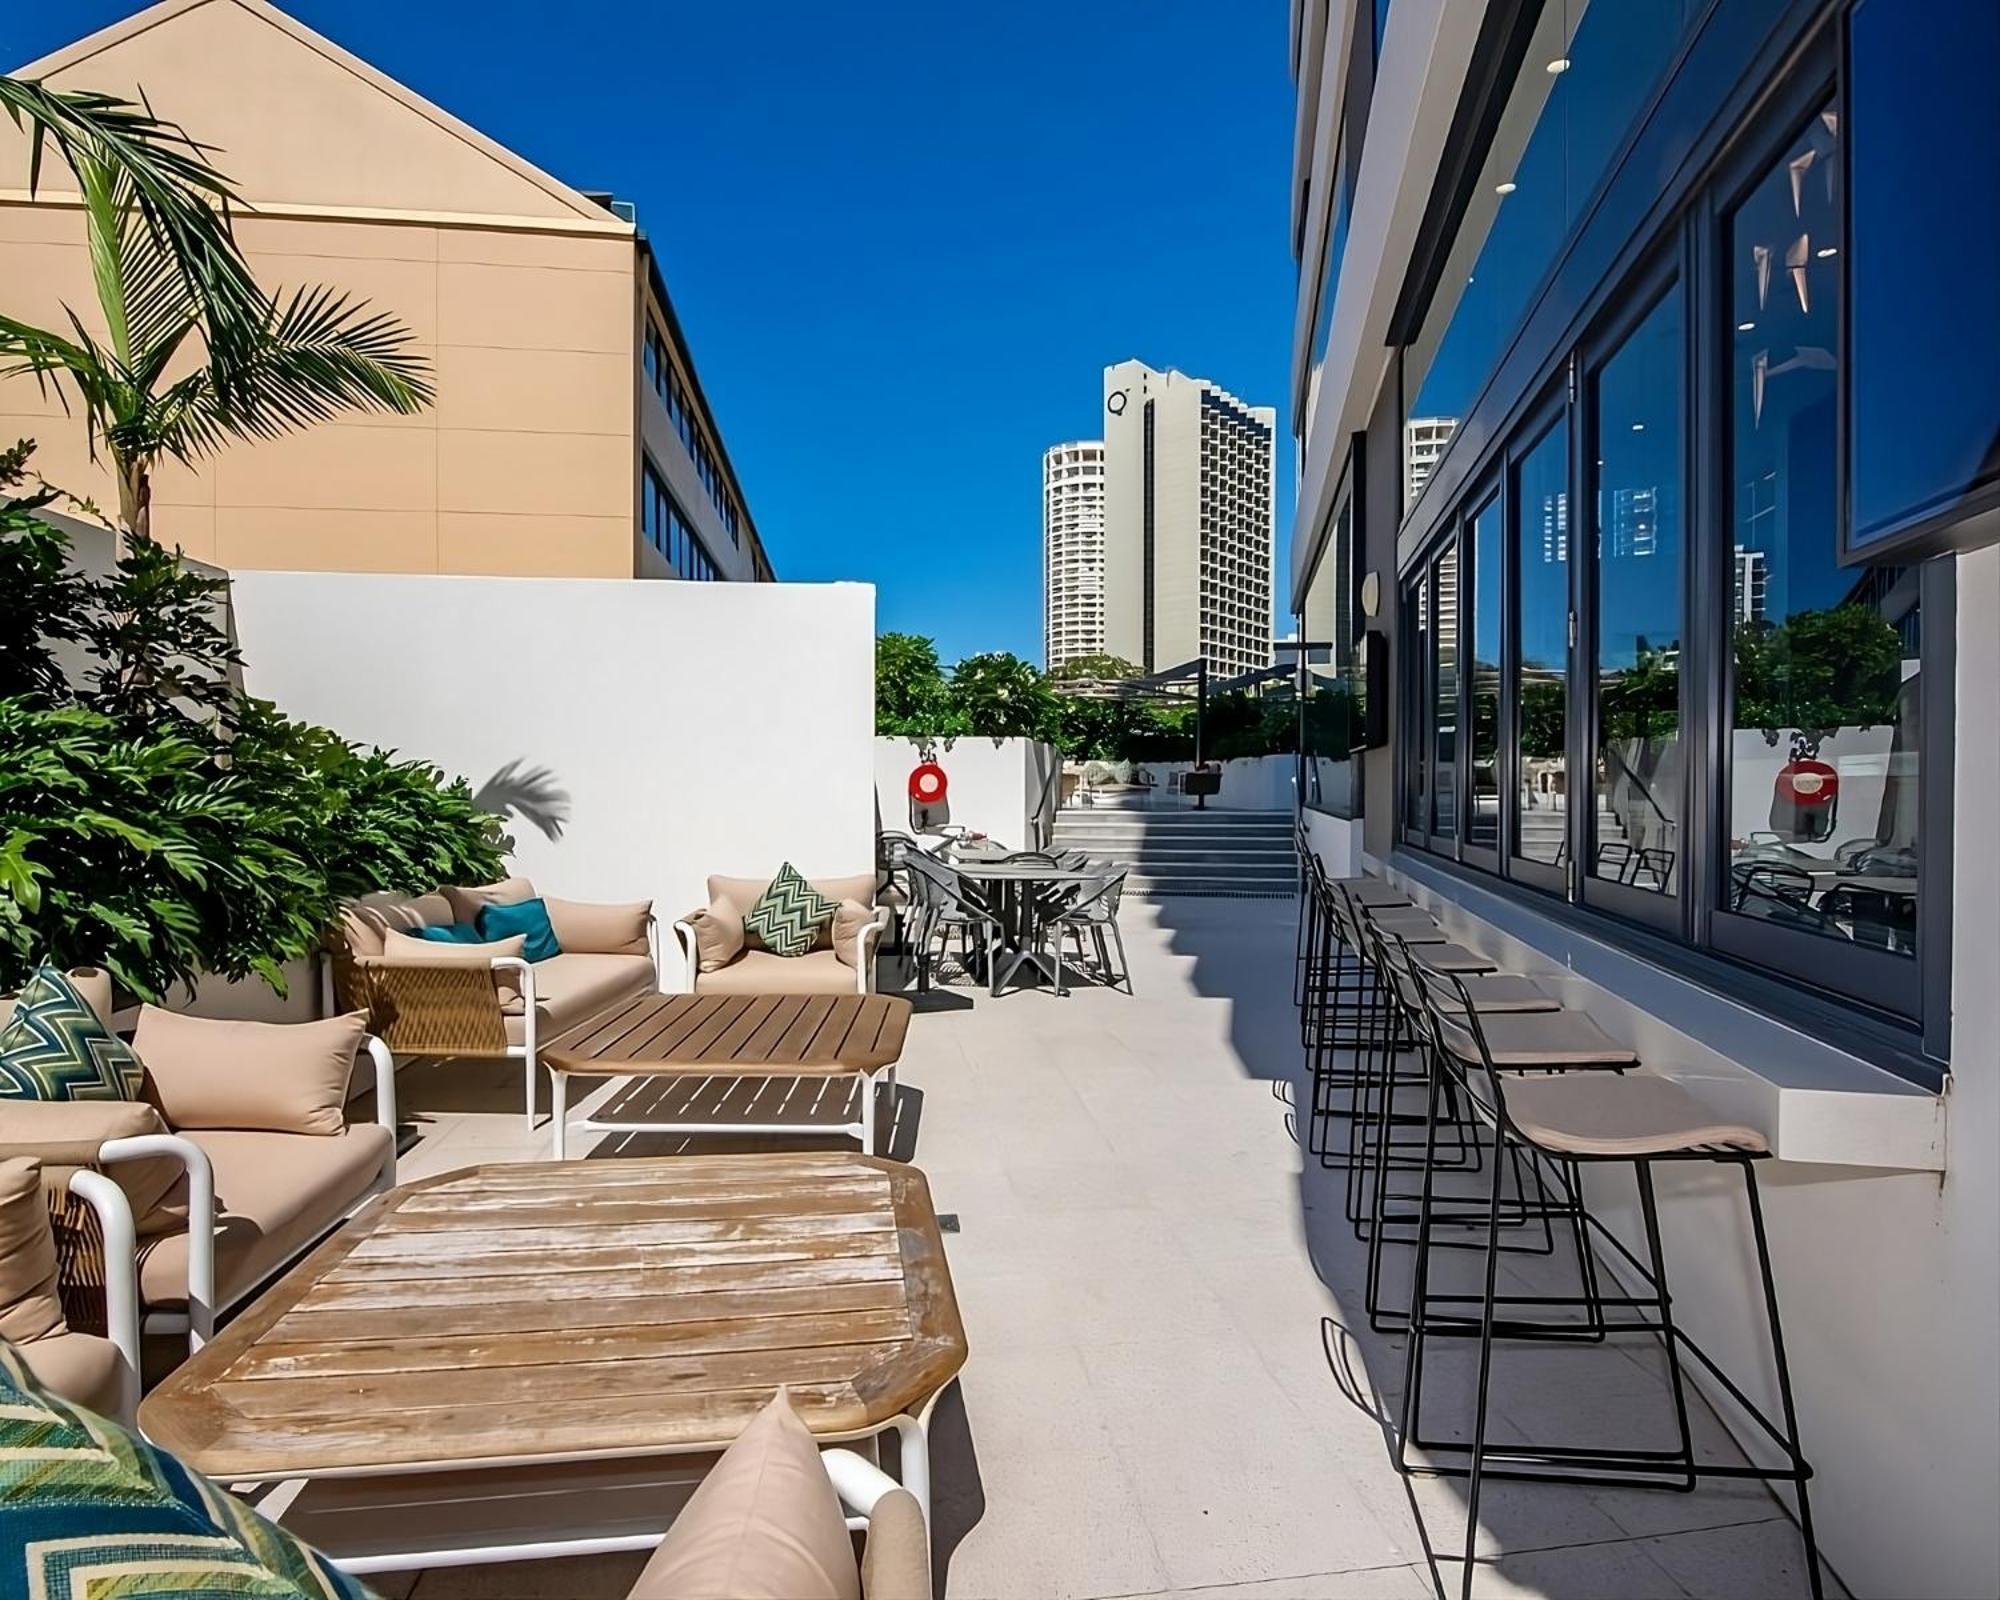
1072	551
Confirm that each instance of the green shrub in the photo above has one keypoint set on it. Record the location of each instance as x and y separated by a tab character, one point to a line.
156	821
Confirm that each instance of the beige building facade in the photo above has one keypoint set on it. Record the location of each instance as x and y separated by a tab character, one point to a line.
1189	492
570	436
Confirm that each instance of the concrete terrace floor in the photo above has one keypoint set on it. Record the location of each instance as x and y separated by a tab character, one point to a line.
1172	1387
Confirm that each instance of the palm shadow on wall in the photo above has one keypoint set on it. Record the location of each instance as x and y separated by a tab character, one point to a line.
529	793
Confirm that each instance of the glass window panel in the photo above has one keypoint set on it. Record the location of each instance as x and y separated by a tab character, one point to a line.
1327	628
1417	630
1541	617
1483	598
1444	693
1588	71
1636	826
1823	747
1924	233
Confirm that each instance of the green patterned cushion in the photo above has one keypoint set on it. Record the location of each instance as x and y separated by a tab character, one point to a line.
789	914
92	1512
57	1048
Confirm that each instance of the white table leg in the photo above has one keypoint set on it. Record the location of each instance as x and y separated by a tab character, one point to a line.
559	1123
867	1125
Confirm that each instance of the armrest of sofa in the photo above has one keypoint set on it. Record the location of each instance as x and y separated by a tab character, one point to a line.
690	953
121	1277
866	943
193	1161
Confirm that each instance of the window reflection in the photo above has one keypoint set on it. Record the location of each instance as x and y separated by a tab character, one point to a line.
1823	745
1326	632
1587	73
1482	824
1444	693
1417	629
1541	542
1637	506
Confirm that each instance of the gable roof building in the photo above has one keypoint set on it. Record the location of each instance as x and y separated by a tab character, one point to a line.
570	435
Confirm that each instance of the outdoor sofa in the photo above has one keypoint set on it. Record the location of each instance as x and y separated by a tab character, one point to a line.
446	999
721	956
170	1209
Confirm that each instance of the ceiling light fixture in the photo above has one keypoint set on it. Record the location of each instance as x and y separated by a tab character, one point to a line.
1558	66
1746	327
1504	188
1828	251
1638	427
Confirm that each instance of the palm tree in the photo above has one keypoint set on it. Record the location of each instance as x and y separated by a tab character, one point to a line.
169	277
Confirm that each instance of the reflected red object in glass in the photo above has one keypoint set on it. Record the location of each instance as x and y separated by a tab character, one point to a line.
1808	783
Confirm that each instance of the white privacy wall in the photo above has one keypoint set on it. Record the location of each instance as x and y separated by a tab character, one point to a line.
637	736
993	784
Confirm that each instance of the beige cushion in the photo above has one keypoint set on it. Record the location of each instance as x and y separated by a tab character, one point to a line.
29	1305
402	949
1494	992
601	930
363	922
80	1367
465	903
718	934
764	1525
1609	1114
570	988
1550	1039
66	1134
281	1077
895	1561
764	972
275	1193
849	918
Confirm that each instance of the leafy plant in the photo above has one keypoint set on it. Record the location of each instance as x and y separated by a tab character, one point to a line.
1101	665
157	822
910	692
168	277
1000	696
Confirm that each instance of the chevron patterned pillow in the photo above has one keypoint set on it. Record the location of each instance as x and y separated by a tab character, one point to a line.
91	1509
58	1048
789	914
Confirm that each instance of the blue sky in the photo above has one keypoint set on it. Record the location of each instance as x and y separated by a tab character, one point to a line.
904	237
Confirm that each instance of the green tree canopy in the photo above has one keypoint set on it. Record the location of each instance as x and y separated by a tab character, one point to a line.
1100	665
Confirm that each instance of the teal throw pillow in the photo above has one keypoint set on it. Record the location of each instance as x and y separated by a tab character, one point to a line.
450	933
91	1509
57	1048
529	918
789	914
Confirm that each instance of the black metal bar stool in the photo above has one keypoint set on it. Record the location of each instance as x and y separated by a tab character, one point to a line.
1565	1121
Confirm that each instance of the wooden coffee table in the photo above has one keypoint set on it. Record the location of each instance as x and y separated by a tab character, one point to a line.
508	1332
695	1036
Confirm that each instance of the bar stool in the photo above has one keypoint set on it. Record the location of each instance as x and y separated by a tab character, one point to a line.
1572	1119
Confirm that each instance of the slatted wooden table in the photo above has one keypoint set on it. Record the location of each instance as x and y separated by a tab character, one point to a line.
792	1037
505	1317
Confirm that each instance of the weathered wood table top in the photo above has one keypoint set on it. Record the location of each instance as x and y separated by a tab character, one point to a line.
789	1035
543	1312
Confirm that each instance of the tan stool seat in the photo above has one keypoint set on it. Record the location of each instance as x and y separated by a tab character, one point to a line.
1446	957
1548	1039
1602	1114
1408	924
1494	993
1373	892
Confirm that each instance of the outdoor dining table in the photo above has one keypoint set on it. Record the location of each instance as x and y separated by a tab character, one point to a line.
1017	892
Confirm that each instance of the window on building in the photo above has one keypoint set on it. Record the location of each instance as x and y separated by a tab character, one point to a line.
1482	599
1822	740
1635	822
1746	709
1541	629
1585	71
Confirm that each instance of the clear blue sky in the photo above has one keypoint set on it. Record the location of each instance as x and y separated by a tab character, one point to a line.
904	236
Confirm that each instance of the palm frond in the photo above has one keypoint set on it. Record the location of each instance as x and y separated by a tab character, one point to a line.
322	353
182	198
